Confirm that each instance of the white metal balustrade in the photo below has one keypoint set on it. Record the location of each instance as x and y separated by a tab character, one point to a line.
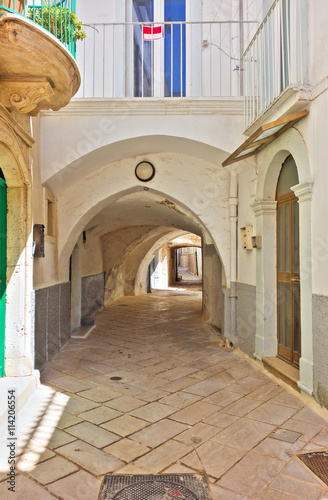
181	59
276	58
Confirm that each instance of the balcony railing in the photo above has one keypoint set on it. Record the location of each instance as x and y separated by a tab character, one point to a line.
56	17
276	58
169	59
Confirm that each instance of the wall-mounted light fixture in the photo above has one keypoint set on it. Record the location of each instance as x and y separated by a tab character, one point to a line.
145	171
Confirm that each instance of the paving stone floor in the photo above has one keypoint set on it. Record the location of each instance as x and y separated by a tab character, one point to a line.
182	405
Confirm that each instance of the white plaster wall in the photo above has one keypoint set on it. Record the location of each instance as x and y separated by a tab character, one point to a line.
72	136
318	39
91	255
246	196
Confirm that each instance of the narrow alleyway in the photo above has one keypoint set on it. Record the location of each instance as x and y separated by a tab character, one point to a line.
151	391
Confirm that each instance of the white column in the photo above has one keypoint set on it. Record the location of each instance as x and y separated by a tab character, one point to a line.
266	280
303	192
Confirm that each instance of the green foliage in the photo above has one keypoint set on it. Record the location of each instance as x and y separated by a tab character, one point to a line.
60	22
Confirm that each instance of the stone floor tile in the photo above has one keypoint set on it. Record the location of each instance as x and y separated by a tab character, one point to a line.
99	394
248	384
180	372
216	459
285	398
198	434
201	375
100	415
308	430
193	462
221	420
153	395
271	413
90	458
178	385
153	412
178	469
223	398
310	416
127	450
244	434
241	407
77	405
269	494
322	438
33	457
265	392
205	387
147	383
219	493
125	403
251	475
180	399
51	470
50	374
67	419
164	456
297	488
59	438
279	449
78	486
133	470
72	384
25	489
93	434
158	433
125	425
298	471
194	413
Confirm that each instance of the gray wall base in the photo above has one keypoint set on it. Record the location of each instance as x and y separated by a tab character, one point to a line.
52	321
93	290
320	348
246	317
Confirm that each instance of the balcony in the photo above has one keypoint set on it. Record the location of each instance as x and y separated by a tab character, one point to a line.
161	60
276	58
56	17
38	70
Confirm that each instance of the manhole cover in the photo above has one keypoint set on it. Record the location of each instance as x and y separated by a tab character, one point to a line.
285	435
152	487
116	378
317	462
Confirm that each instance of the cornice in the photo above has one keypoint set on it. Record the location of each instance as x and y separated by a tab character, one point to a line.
151	106
263	207
303	191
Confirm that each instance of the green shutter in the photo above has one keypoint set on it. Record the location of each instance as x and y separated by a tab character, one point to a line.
3	265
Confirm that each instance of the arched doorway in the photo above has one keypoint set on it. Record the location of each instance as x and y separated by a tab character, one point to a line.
3	265
288	268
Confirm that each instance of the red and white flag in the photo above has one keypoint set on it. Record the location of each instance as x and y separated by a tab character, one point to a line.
152	32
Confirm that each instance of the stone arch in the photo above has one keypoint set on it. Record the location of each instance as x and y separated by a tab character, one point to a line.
270	162
14	165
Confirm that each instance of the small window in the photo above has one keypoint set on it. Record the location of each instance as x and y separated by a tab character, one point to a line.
50	215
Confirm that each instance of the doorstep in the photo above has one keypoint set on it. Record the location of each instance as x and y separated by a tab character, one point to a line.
282	370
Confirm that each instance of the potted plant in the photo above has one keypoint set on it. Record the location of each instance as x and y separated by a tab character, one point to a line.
15	5
62	23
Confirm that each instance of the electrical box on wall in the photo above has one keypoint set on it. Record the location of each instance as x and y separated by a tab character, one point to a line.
246	237
257	241
38	240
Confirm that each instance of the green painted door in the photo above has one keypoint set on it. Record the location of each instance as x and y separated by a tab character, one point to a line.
3	264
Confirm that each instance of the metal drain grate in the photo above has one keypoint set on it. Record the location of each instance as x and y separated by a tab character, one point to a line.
317	462
155	487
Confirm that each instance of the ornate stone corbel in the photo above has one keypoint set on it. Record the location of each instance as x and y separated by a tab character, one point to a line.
24	94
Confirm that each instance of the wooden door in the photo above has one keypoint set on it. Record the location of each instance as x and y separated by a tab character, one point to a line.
288	279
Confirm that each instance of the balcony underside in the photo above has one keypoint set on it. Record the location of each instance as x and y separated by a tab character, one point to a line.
36	70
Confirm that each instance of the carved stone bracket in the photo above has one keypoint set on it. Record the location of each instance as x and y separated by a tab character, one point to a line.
24	94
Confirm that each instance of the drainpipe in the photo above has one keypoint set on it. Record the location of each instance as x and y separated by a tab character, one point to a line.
233	203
